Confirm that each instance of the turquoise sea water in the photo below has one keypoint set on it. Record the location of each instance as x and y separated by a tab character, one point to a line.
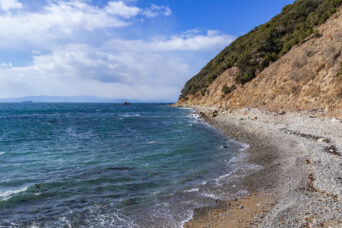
106	165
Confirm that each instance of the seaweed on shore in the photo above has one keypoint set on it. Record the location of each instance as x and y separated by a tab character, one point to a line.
332	150
309	136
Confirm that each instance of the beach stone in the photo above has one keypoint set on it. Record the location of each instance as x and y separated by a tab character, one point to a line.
281	112
212	115
320	140
281	126
334	120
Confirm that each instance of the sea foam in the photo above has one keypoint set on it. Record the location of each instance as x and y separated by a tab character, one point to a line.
192	190
6	195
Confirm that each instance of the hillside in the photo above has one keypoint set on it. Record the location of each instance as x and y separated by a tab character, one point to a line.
293	62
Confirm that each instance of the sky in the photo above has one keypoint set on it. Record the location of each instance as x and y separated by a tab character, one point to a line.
117	49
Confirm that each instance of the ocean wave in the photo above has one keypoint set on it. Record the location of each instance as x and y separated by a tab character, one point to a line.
6	195
193	115
195	119
94	218
1	153
184	108
240	166
129	115
210	195
244	146
189	217
196	116
223	176
192	190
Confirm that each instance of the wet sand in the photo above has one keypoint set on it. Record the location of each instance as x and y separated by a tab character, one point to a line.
245	212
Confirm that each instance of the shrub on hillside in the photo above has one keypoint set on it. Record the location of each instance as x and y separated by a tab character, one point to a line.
226	89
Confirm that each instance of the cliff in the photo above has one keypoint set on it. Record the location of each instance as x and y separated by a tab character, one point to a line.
306	76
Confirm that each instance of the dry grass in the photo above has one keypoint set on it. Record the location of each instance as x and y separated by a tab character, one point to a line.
303	74
338	36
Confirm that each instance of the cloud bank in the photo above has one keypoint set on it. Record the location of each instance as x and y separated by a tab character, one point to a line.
7	5
64	59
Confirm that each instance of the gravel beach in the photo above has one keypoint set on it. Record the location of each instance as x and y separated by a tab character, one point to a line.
300	184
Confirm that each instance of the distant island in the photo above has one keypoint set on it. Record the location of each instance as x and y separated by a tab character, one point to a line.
86	99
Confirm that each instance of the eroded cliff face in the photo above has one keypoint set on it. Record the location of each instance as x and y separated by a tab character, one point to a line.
305	78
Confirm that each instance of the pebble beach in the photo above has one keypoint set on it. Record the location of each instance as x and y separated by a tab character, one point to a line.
300	182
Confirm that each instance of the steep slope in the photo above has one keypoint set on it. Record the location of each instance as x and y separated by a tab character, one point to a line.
308	76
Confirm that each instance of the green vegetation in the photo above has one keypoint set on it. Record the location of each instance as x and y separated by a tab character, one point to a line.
339	72
226	89
254	51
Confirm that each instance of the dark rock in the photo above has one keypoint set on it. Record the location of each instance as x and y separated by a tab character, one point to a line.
332	150
202	115
126	103
281	112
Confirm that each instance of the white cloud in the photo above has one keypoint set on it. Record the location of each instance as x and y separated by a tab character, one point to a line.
121	9
73	68
6	65
64	20
195	42
57	21
155	10
64	63
118	68
189	41
7	5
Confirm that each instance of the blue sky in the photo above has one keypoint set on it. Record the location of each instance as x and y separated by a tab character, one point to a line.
133	49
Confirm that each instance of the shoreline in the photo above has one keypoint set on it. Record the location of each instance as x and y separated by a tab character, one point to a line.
294	188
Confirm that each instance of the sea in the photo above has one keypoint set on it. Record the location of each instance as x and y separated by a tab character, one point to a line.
111	165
